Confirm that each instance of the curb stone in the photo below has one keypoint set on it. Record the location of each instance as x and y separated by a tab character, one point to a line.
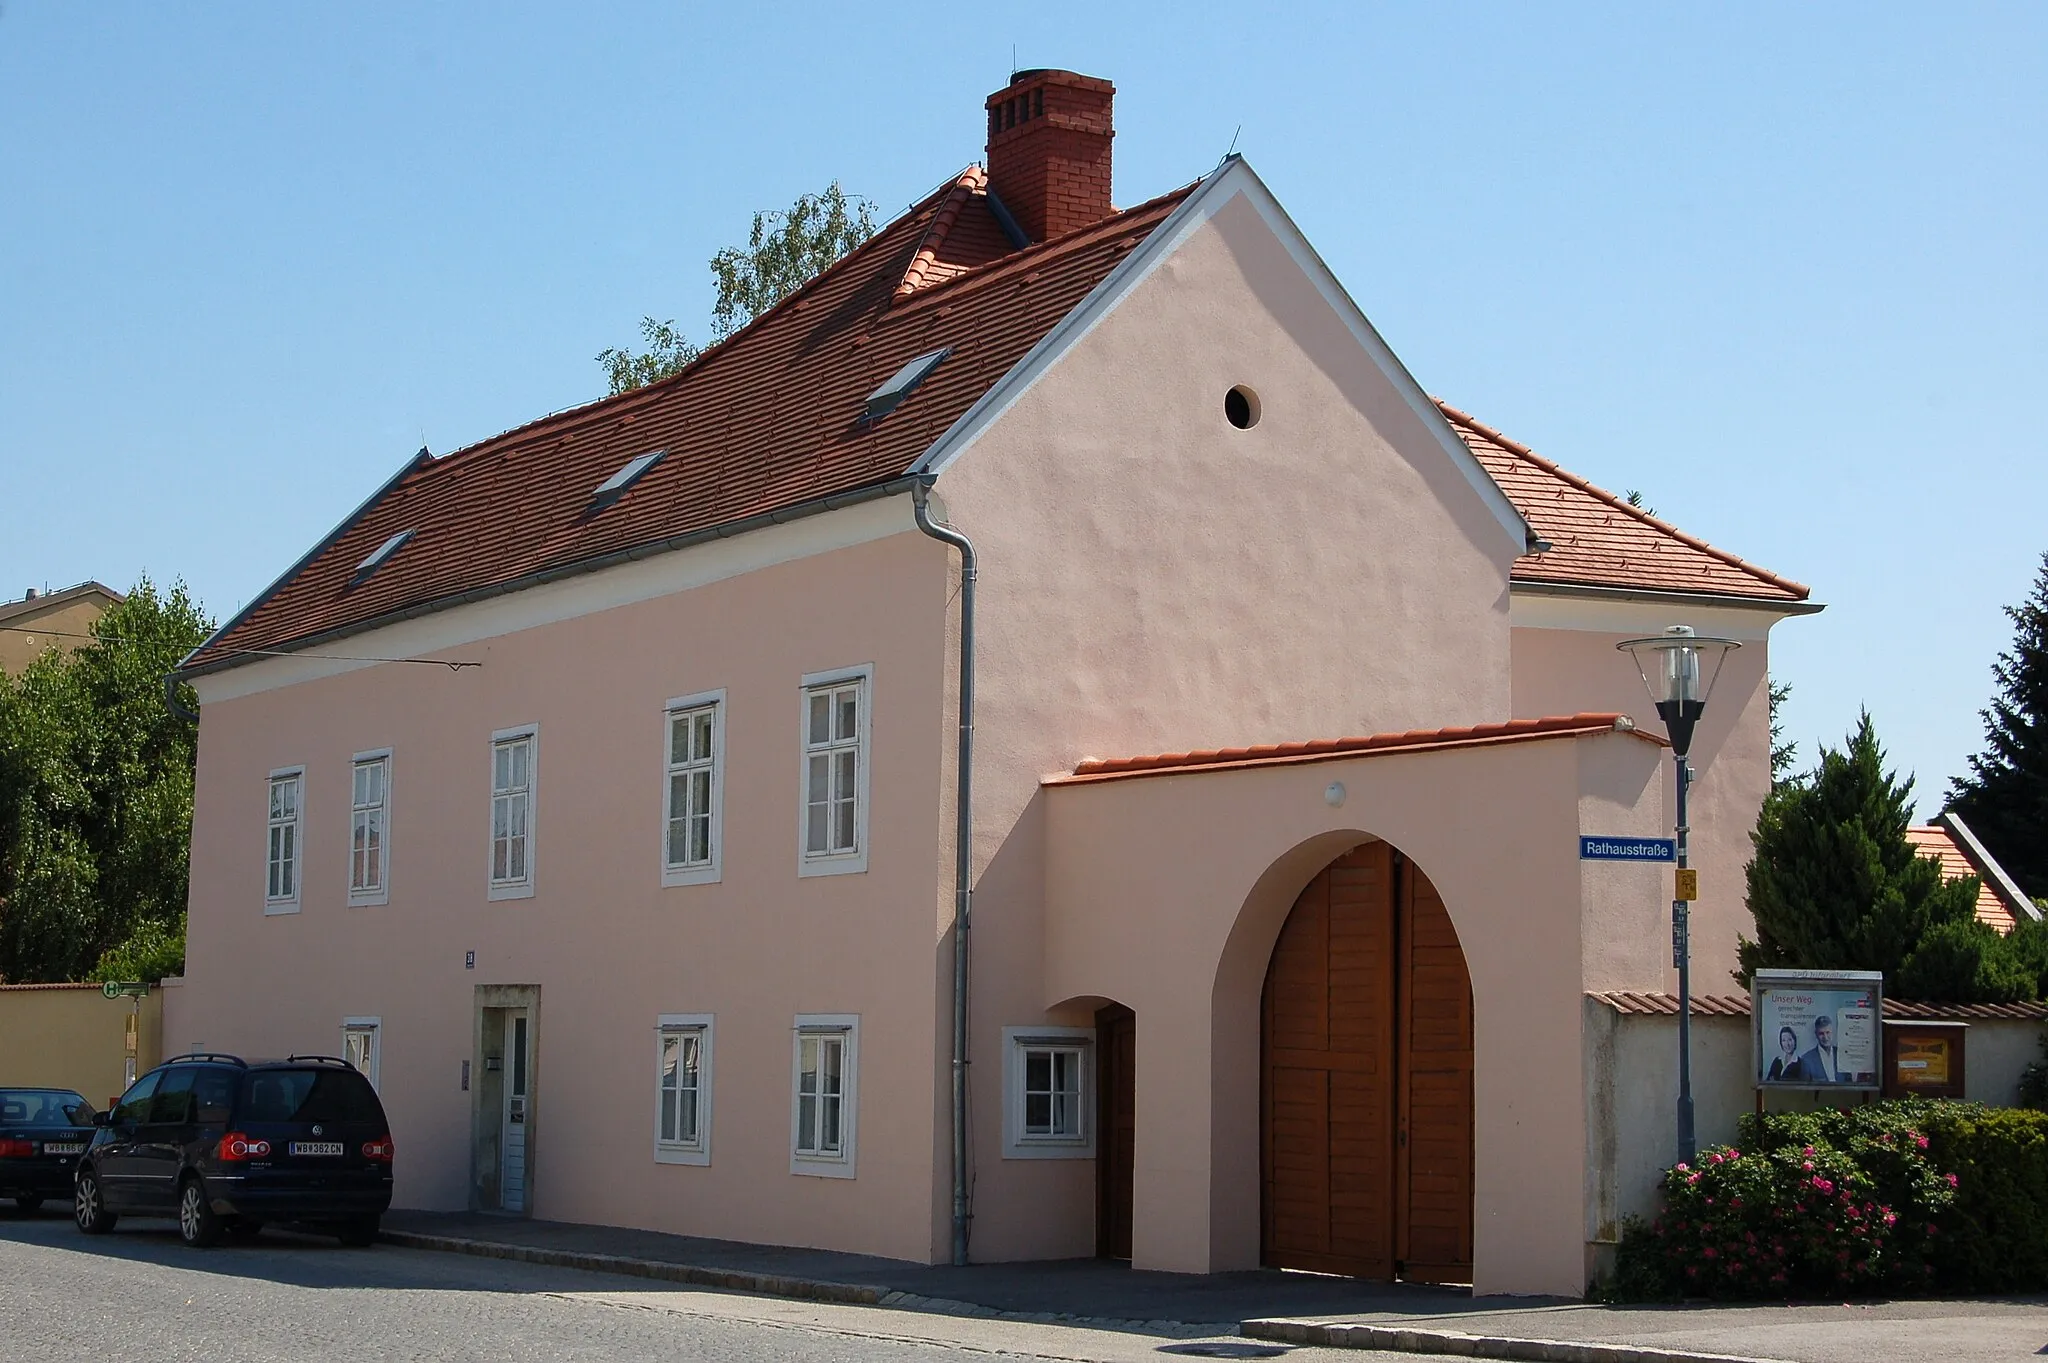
780	1285
1340	1335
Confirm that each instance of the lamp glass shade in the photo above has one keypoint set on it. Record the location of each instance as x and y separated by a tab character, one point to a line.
1679	668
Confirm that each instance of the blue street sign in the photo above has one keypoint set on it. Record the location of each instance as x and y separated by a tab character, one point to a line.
1628	849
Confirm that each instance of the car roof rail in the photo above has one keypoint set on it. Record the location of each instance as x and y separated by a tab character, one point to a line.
317	1060
207	1058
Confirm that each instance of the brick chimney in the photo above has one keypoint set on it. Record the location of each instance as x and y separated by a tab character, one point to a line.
1048	150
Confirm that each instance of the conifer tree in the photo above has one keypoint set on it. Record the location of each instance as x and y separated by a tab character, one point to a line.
2004	799
1834	884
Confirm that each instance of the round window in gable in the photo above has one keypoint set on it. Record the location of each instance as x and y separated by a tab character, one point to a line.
1241	406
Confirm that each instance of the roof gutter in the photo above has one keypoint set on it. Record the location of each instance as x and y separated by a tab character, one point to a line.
817	506
1598	592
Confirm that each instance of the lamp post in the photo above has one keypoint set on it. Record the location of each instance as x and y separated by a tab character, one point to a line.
1671	665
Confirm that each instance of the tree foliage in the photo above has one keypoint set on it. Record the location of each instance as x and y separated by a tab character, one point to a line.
784	251
2004	799
1834	884
96	797
1784	751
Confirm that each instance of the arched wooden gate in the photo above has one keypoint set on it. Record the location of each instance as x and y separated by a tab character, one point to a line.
1366	1079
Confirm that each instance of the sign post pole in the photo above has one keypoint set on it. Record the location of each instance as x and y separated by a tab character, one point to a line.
1681	951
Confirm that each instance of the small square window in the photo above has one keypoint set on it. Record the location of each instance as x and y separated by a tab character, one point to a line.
682	1089
1048	1098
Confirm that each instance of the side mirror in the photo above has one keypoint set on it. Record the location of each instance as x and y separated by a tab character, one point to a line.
103	1118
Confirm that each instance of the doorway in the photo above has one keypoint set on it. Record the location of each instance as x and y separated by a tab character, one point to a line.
1366	1079
503	1105
1116	1137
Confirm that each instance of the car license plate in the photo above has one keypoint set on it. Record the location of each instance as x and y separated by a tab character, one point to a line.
72	1149
316	1147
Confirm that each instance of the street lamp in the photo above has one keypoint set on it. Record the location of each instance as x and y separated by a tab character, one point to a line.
1679	668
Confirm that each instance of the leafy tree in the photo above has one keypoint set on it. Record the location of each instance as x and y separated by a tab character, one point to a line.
1834	884
2004	799
96	797
784	251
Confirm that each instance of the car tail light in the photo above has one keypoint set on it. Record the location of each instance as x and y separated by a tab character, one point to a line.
379	1150
17	1149
236	1146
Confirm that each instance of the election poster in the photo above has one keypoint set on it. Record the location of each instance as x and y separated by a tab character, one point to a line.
1818	1028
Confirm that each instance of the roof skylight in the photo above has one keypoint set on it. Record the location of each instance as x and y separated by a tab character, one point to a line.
615	486
884	399
378	557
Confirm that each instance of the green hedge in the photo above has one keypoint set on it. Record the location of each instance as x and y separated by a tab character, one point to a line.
1906	1196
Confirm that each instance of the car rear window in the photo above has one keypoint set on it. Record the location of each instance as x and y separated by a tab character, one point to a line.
323	1095
43	1107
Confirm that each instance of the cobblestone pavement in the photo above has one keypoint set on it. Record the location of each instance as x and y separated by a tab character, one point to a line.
139	1294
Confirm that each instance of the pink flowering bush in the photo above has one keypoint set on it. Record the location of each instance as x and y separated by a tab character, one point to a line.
1806	1205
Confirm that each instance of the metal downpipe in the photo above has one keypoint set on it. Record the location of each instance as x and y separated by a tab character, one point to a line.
963	857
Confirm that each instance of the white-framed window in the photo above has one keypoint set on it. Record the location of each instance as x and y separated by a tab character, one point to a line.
515	755
824	1094
369	828
693	739
832	832
287	823
362	1045
682	1089
1048	1093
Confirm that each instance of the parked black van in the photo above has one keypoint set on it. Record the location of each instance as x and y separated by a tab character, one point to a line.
226	1146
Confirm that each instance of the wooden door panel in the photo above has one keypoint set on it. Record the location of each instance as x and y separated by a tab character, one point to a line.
1435	1090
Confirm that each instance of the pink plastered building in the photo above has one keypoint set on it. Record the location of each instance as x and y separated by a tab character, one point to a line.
1293	691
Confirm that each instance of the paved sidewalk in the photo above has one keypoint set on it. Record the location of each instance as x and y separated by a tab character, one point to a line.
2002	1330
1290	1308
1087	1289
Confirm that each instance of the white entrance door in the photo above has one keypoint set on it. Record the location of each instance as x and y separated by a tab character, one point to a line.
512	1186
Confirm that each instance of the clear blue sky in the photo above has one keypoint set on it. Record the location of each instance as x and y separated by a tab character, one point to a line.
1781	267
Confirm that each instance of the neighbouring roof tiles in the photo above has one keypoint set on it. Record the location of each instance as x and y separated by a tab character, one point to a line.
1935	842
1597	538
1737	1006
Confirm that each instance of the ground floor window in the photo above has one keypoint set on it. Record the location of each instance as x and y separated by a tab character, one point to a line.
682	1089
1048	1076
823	1105
361	1045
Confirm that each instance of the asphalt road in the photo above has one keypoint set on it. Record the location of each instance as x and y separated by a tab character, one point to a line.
139	1294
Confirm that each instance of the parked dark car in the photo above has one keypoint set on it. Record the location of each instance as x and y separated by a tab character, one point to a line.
42	1134
227	1146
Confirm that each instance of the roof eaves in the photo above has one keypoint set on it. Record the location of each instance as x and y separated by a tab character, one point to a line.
1979	856
185	667
62	596
1518	449
186	670
1550	586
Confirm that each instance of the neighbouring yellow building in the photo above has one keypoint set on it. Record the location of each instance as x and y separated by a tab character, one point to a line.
44	620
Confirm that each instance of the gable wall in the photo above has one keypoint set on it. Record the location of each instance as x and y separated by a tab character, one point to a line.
1154	579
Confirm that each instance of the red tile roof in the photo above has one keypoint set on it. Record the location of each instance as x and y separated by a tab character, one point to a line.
1936	842
1374	745
1737	1006
1598	539
769	420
